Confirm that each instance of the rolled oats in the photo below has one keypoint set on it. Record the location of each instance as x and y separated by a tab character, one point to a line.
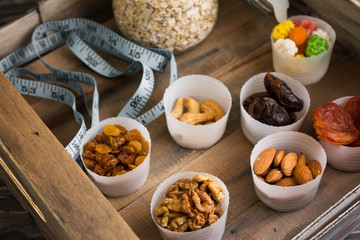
175	25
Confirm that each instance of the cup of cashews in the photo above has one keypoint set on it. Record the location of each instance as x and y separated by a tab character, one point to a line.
197	109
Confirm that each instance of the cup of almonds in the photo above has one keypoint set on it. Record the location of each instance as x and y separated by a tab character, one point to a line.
197	109
190	206
116	155
287	168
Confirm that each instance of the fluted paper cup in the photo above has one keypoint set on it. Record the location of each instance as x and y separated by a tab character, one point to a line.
307	70
200	87
342	157
288	199
212	232
121	185
253	129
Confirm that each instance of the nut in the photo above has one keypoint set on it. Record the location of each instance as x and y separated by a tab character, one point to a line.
278	157
274	175
178	109
286	182
302	174
263	161
302	159
288	163
314	167
195	118
192	105
212	107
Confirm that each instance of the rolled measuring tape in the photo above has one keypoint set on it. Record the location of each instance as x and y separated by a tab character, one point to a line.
80	35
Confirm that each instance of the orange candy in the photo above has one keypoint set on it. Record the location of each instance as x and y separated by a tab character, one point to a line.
298	35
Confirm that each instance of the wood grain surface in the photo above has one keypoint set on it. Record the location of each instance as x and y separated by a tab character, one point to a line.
237	49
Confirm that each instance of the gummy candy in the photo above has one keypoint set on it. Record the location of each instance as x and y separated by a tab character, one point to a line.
286	46
315	46
283	29
299	55
309	26
321	33
298	35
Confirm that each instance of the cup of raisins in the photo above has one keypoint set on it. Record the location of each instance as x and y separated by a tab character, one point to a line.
197	108
262	112
116	155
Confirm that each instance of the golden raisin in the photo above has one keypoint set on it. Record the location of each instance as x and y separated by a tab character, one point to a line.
103	148
112	130
89	163
131	166
128	149
89	146
133	134
136	145
139	160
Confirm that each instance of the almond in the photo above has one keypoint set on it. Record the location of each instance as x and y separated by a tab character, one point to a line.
288	163
278	157
286	182
302	159
274	175
314	167
263	161
261	178
302	174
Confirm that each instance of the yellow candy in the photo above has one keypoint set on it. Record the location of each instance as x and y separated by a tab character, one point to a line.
299	55
282	30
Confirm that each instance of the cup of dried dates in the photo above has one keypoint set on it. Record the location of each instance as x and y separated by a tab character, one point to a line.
189	206
302	48
116	155
272	102
287	168
337	126
197	109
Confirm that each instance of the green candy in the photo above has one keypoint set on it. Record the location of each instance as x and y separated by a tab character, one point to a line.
315	46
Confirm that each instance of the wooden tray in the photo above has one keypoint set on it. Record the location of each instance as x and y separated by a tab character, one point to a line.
34	131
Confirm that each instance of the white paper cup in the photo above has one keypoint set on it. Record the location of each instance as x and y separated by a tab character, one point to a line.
342	157
129	182
212	232
288	199
253	129
200	87
307	70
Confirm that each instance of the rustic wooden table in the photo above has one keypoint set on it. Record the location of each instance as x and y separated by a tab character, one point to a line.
237	49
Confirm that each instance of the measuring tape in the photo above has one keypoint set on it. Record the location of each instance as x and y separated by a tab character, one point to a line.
79	34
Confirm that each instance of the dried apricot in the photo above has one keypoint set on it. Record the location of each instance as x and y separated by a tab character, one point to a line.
333	124
111	130
353	107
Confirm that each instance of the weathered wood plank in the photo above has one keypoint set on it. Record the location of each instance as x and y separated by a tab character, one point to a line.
50	176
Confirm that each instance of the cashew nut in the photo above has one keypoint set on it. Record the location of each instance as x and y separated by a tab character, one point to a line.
178	109
195	118
192	105
209	106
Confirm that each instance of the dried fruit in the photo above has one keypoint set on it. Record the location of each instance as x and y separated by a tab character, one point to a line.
280	91
333	124
288	163
278	157
264	161
314	167
302	174
353	107
286	182
103	148
111	130
273	175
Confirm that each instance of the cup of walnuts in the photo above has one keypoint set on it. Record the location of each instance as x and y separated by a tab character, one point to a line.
287	168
